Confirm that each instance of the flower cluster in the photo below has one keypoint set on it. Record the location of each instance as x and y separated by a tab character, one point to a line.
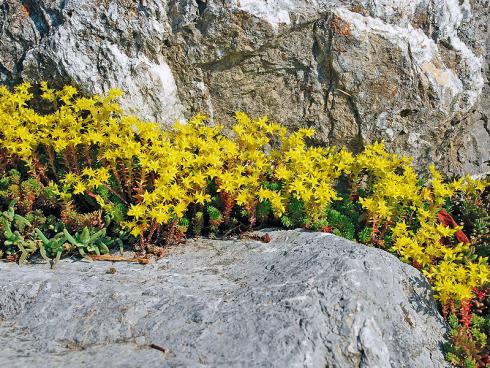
403	212
195	178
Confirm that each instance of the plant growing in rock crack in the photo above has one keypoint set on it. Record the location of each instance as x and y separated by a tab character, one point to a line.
85	162
89	241
51	249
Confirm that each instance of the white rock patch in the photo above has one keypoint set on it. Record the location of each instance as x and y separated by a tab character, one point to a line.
415	45
275	11
148	85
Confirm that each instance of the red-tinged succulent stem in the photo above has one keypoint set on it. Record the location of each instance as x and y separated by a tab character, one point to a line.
466	313
51	161
153	228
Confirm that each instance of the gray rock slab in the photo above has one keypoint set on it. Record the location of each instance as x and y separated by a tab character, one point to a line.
302	300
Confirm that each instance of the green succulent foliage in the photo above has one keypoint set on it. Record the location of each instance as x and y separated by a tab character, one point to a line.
31	185
117	212
388	241
480	329
295	216
13	239
24	191
11	217
263	211
272	185
25	235
365	234
198	223
215	218
13	226
453	321
183	224
476	220
120	238
481	235
214	214
103	192
319	225
51	249
286	221
451	357
340	223
89	241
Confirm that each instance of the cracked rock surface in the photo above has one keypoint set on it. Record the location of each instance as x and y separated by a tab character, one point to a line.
302	300
413	72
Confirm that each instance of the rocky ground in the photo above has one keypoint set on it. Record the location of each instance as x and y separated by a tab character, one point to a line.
302	300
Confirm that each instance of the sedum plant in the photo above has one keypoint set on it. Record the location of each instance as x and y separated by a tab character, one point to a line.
88	241
101	174
12	224
51	249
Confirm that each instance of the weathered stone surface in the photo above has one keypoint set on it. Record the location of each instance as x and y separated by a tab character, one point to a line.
412	72
302	300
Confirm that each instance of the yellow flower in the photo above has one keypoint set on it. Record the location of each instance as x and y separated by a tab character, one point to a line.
90	172
243	198
382	209
103	175
160	214
445	231
180	209
297	187
69	178
136	211
201	198
282	173
79	188
137	230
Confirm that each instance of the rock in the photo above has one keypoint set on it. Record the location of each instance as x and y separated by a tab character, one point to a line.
301	300
412	72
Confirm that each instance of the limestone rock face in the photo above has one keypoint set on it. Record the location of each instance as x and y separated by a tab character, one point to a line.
302	300
413	72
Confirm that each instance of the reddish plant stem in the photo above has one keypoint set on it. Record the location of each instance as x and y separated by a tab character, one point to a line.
374	231
142	242
72	158
92	195
51	161
39	170
140	189
252	218
228	204
153	228
452	307
466	313
121	195
88	155
108	187
124	183
444	310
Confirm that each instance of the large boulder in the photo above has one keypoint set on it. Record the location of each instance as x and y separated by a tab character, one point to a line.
411	72
301	300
